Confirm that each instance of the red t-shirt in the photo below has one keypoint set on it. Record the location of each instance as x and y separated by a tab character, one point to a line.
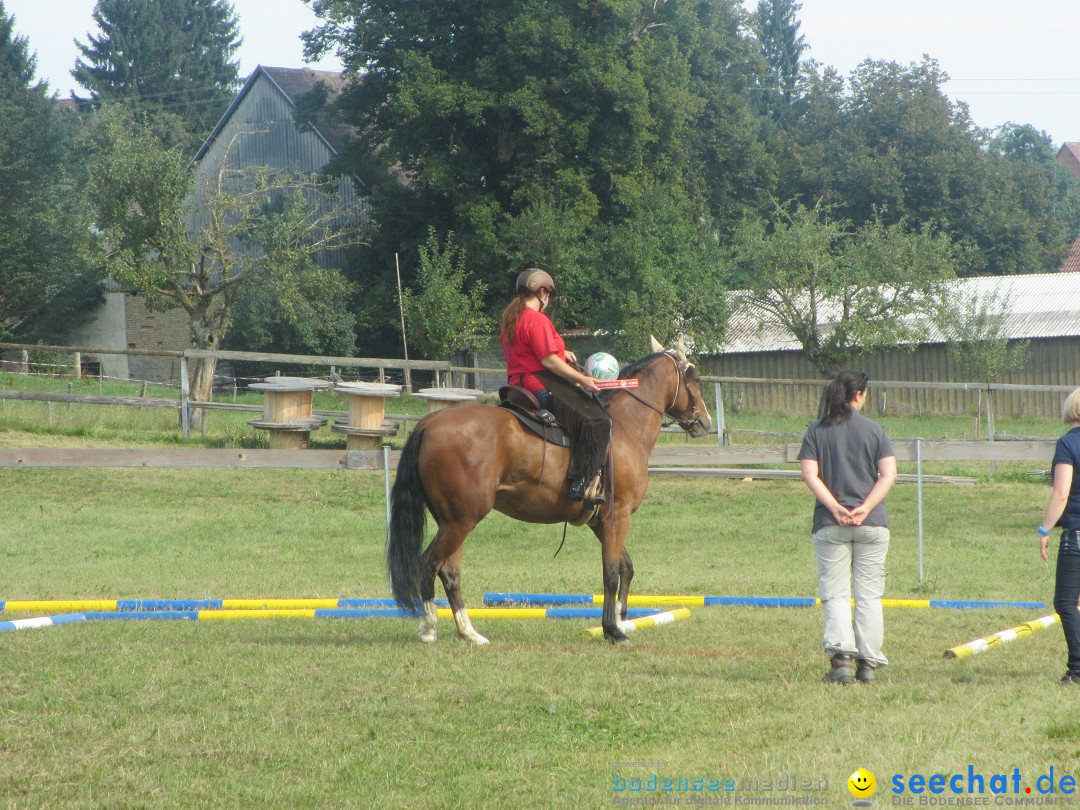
534	339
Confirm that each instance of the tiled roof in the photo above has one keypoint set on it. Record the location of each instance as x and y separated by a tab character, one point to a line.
1072	261
1040	305
1069	154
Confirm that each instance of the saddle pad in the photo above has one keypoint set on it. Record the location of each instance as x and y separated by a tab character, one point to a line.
555	435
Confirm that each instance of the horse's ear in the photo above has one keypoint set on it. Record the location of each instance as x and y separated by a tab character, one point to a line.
654	345
680	346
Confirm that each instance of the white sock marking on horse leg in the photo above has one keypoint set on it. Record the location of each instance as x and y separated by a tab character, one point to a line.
427	623
466	630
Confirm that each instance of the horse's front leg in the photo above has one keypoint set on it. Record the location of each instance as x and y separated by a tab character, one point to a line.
626	573
612	534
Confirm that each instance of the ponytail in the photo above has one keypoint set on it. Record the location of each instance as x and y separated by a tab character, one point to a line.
510	317
836	402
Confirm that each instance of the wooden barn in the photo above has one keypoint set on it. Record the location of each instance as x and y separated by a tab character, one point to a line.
1042	309
261	131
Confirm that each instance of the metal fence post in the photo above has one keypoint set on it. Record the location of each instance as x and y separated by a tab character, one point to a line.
386	477
918	502
185	408
719	397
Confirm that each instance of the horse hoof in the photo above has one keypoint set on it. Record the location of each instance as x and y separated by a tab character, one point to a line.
617	637
478	640
427	638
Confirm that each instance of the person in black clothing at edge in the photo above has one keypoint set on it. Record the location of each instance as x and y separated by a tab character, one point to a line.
1063	510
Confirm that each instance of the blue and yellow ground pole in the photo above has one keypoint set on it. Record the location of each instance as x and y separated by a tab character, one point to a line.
690	600
70	611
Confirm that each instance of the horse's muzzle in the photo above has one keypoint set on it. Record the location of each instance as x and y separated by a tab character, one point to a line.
698	426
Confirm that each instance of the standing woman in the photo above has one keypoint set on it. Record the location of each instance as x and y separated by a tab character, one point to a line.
537	359
1064	510
849	465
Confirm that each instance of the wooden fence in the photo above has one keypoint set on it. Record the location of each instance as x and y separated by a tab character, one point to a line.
443	371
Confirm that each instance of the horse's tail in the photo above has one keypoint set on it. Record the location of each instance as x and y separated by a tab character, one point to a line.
407	522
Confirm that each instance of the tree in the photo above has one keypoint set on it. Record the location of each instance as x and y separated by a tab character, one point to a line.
443	312
783	46
541	123
838	290
897	148
974	327
170	56
656	274
49	276
201	248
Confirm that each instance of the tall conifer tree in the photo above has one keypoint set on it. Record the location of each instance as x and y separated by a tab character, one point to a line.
171	56
44	235
783	47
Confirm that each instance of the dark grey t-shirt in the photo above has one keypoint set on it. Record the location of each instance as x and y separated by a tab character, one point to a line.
847	454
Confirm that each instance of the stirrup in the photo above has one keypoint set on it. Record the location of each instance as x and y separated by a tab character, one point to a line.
576	490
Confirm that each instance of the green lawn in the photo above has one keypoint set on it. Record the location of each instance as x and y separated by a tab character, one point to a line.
356	713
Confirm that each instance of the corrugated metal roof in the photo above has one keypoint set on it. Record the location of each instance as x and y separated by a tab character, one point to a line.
1041	305
292	82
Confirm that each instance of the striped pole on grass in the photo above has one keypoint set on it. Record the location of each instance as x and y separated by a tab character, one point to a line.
690	600
637	624
988	643
44	621
643	600
313	613
131	605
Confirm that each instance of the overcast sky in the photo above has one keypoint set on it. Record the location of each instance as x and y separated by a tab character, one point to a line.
1009	61
270	29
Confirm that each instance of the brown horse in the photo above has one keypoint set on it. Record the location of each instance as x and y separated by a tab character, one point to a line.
463	462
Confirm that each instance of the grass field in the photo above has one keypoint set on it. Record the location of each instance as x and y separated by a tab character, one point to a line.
340	713
356	713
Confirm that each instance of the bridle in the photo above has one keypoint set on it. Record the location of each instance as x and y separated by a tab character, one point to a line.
680	368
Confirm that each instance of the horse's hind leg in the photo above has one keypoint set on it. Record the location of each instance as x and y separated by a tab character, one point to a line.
430	617
443	557
450	574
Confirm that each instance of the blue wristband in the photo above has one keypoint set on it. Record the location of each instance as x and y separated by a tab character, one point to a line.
1042	531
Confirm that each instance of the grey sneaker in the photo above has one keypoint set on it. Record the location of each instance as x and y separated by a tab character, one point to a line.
864	671
1069	678
841	670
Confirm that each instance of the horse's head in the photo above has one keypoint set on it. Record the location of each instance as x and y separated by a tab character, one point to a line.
687	406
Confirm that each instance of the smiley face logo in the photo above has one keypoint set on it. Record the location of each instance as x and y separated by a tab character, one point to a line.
862	784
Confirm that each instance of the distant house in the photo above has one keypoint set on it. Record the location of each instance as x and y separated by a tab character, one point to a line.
1069	156
1072	261
262	115
1044	309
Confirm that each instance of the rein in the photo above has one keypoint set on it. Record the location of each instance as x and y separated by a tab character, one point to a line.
685	424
